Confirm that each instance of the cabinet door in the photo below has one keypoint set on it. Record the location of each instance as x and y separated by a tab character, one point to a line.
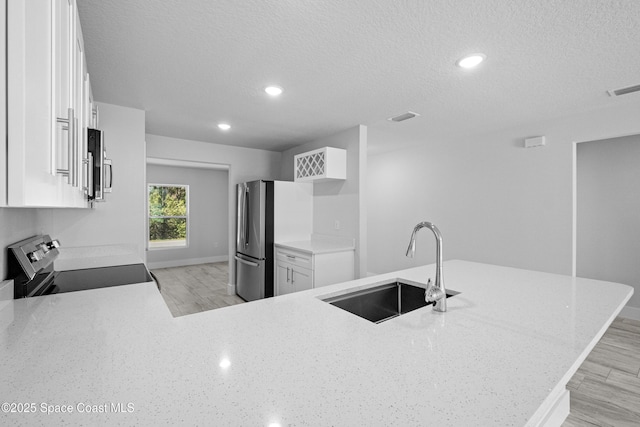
3	95
283	279
30	176
301	278
80	178
63	79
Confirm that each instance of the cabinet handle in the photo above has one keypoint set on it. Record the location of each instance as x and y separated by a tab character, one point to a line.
88	162
291	256
95	116
287	274
74	155
69	121
292	271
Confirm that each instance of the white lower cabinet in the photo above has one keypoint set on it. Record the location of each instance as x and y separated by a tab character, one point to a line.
292	278
298	270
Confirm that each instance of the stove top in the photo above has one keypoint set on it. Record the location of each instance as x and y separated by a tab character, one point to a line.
31	267
103	277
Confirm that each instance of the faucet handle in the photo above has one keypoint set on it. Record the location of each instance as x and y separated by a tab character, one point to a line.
433	293
428	289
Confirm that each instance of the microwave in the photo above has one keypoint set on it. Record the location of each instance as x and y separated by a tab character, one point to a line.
99	168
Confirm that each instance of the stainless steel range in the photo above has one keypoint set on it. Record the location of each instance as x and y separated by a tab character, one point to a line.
32	269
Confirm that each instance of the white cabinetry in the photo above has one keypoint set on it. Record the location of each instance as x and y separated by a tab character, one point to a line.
45	99
293	272
300	270
324	164
3	105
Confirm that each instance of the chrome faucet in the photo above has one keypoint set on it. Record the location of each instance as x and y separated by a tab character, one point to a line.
434	292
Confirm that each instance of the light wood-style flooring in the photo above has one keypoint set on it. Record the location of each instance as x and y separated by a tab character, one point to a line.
605	391
195	288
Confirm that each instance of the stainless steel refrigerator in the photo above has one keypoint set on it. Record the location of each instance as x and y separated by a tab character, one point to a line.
267	212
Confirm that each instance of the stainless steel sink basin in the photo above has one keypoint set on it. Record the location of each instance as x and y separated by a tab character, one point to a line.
383	302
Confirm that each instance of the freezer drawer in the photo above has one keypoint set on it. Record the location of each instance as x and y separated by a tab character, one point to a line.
250	278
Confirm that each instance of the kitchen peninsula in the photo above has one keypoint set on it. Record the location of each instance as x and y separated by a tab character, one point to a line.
501	355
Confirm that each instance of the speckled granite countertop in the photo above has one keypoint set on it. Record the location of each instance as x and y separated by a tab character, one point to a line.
314	247
508	341
320	244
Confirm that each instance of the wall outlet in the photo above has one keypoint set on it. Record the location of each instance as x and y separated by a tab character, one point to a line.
216	244
336	224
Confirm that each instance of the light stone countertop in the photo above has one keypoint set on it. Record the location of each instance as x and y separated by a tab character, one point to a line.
320	244
509	341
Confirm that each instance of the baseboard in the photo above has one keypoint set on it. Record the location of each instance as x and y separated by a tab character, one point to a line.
630	312
558	412
231	289
184	262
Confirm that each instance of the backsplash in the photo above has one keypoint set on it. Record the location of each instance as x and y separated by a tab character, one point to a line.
16	225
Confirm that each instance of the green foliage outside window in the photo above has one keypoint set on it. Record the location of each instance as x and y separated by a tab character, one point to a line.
167	216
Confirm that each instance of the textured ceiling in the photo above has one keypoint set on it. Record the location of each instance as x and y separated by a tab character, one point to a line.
191	64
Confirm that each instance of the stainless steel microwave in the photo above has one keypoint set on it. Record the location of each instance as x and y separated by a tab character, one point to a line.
100	171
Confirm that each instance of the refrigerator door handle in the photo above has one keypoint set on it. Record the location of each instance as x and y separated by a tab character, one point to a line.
245	210
244	261
240	215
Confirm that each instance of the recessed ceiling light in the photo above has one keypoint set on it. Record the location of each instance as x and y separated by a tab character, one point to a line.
224	126
471	61
273	90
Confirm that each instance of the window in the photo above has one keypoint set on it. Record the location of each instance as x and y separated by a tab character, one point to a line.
168	216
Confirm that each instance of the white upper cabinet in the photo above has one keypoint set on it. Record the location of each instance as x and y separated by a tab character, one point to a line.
324	164
45	94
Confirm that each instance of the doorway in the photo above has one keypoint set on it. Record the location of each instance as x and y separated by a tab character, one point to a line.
188	237
607	223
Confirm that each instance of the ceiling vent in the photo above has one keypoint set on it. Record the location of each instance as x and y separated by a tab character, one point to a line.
404	116
624	90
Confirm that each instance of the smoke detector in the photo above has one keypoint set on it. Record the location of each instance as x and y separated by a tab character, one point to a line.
624	90
404	116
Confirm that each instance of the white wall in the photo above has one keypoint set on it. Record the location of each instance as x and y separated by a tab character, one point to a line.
245	164
121	219
340	200
608	232
494	201
208	215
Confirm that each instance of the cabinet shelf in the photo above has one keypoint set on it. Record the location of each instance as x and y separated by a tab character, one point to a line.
327	163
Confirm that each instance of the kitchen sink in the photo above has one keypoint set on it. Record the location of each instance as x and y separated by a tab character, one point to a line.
383	302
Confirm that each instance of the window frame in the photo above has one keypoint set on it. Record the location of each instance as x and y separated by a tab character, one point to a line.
186	217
